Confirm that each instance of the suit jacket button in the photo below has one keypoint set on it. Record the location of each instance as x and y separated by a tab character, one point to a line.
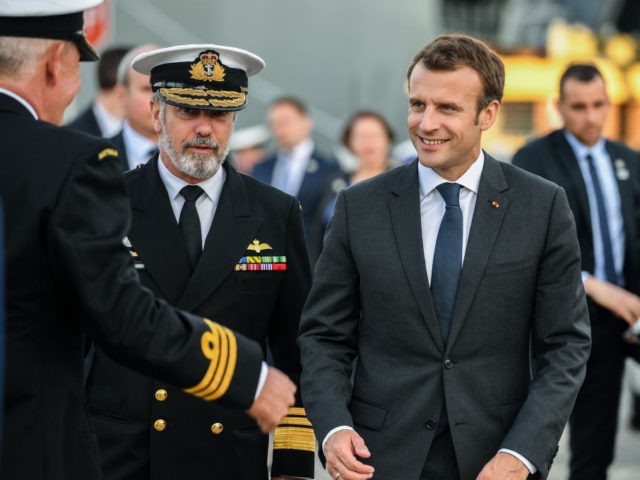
160	425
431	424
217	428
448	364
161	394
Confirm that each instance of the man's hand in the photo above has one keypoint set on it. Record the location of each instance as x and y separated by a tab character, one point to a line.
272	405
341	450
622	303
504	466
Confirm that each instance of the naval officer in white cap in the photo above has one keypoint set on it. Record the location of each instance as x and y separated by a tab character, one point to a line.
69	276
222	245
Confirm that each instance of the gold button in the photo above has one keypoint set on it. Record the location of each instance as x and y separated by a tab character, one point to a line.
217	428
160	425
161	394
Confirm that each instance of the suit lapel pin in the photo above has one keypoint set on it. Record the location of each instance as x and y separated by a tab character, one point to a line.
257	247
495	204
621	169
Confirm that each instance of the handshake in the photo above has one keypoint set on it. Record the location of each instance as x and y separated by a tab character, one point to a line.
273	402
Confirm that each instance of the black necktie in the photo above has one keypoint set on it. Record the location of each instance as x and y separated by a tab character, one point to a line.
190	223
152	152
607	249
447	258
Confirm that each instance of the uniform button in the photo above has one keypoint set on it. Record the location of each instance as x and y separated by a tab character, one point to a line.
217	428
448	364
161	394
431	424
160	425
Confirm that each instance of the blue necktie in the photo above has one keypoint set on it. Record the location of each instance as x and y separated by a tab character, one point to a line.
609	265
447	258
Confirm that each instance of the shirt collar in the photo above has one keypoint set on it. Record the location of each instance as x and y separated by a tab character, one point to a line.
211	186
580	150
138	146
22	101
470	180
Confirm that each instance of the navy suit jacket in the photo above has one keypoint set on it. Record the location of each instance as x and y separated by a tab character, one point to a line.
118	142
313	190
86	122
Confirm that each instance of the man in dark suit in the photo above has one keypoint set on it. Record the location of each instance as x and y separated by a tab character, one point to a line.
137	141
298	168
103	117
449	292
251	272
68	274
602	182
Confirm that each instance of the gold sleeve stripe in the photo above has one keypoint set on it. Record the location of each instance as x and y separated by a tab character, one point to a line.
295	421
299	411
294	438
220	347
107	152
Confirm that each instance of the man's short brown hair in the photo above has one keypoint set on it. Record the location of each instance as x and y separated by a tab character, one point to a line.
451	51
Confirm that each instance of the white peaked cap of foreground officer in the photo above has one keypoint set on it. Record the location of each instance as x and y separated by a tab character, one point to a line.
52	19
203	76
41	8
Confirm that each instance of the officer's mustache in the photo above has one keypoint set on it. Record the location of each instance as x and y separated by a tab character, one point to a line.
201	142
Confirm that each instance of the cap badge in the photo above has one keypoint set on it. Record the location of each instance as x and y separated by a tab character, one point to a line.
207	68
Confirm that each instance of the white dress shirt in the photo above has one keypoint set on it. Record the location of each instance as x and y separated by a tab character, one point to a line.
109	124
290	167
138	146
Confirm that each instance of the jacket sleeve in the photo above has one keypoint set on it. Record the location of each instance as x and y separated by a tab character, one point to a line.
95	277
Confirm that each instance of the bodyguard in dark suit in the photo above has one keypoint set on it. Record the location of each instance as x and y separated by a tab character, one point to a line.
137	142
251	272
602	182
298	168
449	291
103	117
69	275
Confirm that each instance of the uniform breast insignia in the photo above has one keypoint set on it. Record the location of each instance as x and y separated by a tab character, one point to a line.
256	263
107	152
257	247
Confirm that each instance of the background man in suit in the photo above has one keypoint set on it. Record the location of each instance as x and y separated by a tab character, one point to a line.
137	142
451	286
297	168
104	116
68	273
602	181
251	272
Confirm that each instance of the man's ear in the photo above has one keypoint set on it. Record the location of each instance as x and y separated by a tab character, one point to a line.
53	63
155	115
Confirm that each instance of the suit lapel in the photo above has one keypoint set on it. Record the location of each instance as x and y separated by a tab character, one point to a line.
567	160
232	230
487	218
404	208
154	230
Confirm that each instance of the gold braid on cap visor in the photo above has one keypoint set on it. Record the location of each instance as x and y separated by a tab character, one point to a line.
185	96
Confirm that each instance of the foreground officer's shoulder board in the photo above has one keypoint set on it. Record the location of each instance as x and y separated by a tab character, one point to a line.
107	152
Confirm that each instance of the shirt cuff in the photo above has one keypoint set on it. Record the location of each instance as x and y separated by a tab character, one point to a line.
332	431
264	370
532	468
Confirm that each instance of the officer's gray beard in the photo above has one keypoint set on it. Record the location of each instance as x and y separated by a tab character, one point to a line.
196	165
